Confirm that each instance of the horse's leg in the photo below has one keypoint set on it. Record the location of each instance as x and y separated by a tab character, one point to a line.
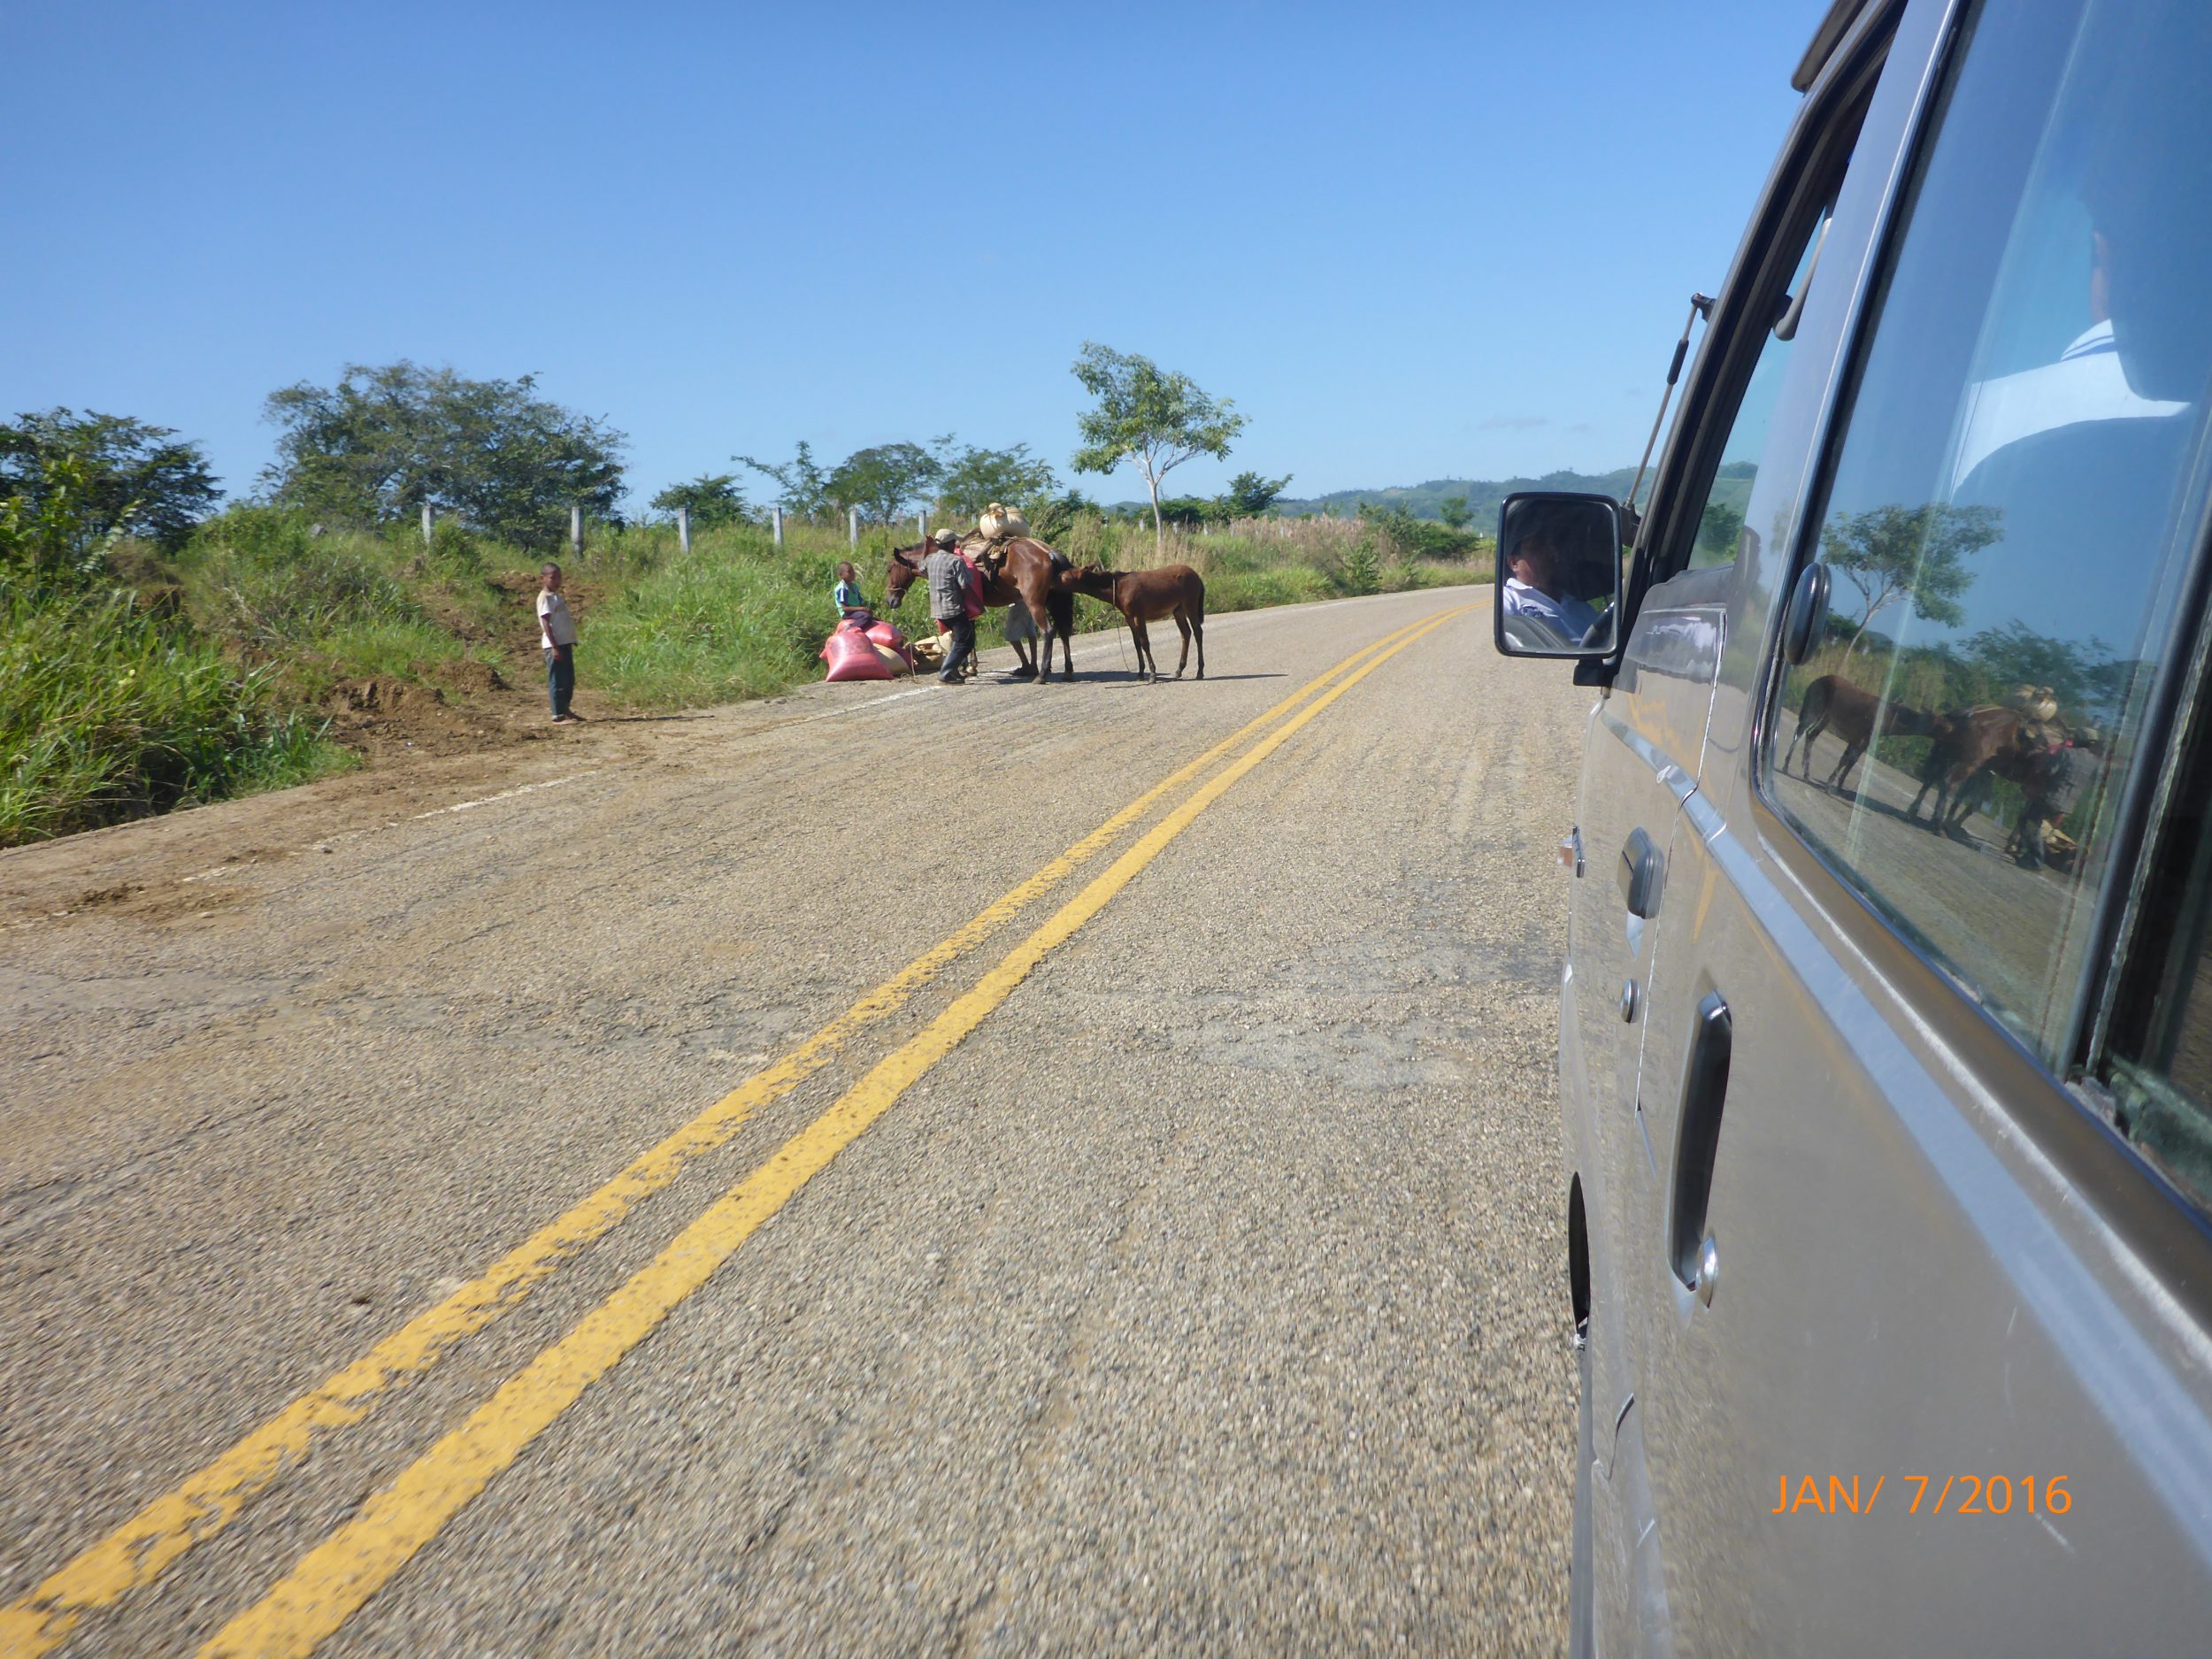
1147	664
1061	605
1183	623
1812	717
1810	732
1047	630
1851	753
1198	633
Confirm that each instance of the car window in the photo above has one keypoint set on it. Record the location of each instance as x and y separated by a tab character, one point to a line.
2014	497
2159	1070
1720	522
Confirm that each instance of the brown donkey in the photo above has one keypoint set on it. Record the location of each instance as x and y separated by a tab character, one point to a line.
1857	716
1028	577
1142	597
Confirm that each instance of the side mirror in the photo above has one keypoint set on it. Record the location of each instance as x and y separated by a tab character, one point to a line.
1560	575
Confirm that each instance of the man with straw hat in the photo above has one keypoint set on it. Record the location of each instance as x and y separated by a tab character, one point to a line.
949	576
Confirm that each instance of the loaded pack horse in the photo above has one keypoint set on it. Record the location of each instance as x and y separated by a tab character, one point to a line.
1026	576
1971	747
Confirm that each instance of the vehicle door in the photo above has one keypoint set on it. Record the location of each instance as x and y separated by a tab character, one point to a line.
1645	748
1918	1290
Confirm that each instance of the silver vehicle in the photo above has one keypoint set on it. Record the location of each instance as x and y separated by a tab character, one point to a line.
1885	1045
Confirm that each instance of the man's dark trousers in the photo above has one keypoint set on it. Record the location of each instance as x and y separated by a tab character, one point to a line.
560	677
962	632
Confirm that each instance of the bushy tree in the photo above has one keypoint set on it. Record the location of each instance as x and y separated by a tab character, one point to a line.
1249	495
1151	417
801	485
888	480
711	499
384	442
127	477
1454	511
973	479
52	543
1919	553
1720	529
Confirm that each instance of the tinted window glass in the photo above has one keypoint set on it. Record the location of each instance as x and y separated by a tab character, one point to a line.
2015	495
1720	524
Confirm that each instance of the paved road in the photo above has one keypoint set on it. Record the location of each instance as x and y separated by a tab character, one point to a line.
564	1222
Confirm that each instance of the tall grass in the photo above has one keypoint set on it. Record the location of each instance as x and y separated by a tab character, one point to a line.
738	616
185	677
107	713
326	607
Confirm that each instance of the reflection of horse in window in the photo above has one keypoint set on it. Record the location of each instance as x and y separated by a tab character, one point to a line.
1972	747
1857	716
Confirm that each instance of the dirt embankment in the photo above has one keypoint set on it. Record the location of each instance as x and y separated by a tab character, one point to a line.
459	706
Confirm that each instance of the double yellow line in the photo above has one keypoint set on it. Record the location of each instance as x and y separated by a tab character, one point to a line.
334	1579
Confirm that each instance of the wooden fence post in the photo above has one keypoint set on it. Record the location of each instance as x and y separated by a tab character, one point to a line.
852	526
683	530
576	530
426	524
775	523
921	523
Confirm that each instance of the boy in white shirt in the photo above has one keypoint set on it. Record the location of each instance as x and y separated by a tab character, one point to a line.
556	633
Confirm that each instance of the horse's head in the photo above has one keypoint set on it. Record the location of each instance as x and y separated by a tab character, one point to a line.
906	564
1094	579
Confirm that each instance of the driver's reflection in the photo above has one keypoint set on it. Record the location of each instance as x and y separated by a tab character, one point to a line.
1536	590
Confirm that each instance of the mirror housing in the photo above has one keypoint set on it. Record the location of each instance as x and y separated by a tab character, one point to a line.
1562	572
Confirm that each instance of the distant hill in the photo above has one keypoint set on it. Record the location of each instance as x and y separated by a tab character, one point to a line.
1486	496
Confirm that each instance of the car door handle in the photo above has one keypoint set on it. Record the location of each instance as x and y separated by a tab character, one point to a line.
1690	1250
1643	873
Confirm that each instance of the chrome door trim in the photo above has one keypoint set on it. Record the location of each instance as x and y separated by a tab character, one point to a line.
1678	782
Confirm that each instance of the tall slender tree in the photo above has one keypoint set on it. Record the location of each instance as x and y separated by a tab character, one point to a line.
1151	417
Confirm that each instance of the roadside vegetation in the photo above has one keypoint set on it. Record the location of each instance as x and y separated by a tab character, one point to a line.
156	652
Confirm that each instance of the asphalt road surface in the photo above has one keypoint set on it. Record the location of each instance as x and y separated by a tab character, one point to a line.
889	1170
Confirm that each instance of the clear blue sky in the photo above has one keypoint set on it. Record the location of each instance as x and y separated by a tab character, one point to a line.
1411	241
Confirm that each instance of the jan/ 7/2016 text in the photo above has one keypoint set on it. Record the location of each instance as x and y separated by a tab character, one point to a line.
1919	1495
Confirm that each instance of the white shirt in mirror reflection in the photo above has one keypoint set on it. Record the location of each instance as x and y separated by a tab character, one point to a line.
1570	617
2086	384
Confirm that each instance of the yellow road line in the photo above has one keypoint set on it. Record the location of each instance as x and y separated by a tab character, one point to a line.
137	1553
332	1581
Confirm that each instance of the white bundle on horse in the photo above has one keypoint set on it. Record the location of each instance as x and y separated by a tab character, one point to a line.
1000	521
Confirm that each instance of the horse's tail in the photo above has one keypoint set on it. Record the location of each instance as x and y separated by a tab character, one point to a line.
1194	599
1061	605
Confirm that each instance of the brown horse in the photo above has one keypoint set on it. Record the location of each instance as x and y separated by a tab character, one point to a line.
1855	715
1142	597
1027	577
1972	747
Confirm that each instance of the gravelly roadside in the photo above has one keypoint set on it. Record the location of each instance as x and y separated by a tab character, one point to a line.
1207	1298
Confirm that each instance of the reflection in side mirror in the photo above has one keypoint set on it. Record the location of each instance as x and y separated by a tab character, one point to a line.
1560	575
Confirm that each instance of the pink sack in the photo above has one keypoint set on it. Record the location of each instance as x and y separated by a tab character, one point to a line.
972	597
886	638
851	655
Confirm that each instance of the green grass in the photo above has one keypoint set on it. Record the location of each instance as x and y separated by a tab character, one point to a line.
740	618
195	674
107	713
